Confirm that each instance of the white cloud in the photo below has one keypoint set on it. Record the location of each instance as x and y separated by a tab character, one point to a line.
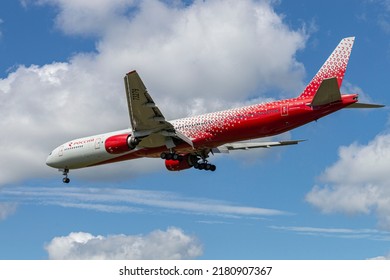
346	233
381	14
209	50
170	244
386	257
358	183
128	201
7	209
347	87
88	16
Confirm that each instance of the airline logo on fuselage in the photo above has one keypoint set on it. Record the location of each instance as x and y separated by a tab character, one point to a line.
81	142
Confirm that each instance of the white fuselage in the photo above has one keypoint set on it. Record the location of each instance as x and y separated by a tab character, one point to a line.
82	152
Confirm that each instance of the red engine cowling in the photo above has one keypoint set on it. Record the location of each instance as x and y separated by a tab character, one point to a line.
117	144
186	162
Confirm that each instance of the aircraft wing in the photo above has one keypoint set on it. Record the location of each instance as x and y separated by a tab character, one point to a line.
145	116
147	121
252	145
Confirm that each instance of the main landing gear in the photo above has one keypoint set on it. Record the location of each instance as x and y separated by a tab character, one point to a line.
205	166
65	172
198	162
171	155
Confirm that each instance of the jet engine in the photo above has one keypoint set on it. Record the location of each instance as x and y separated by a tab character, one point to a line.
119	144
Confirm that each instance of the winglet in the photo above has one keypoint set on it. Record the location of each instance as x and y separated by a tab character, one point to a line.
334	66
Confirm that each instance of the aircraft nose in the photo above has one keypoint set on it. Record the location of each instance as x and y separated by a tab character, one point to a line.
50	160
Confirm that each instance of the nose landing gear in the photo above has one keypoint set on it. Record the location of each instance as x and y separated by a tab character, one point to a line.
65	172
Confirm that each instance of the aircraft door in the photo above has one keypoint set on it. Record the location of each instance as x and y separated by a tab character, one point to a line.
97	143
284	110
61	151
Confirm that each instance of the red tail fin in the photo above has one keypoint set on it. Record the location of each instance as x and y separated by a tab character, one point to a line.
334	67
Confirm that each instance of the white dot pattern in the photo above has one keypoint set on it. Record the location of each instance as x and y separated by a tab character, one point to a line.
206	127
334	66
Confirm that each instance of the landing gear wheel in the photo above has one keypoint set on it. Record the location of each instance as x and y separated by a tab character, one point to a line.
65	172
171	155
205	166
175	156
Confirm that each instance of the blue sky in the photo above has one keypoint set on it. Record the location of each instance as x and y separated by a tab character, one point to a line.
61	70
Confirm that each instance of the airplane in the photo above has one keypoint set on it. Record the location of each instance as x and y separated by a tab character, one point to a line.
187	143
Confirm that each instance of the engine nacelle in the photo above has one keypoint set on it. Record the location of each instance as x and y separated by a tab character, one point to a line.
186	162
119	144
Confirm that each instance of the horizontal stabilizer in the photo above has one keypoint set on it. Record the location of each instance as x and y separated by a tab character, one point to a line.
328	92
252	145
364	106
